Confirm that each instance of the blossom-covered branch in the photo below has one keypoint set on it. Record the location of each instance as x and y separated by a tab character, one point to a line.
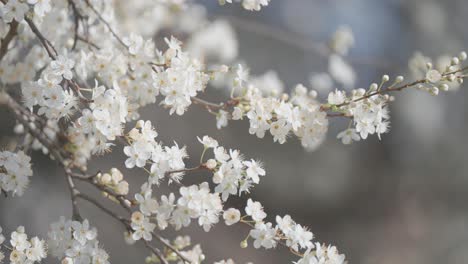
75	73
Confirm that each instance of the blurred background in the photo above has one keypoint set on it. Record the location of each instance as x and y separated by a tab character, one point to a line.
398	200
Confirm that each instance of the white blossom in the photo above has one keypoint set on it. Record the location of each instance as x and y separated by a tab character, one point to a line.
231	216
264	235
255	210
15	171
13	9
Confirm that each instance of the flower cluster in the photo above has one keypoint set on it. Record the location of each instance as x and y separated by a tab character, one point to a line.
16	9
24	251
322	254
286	231
47	93
113	181
75	242
231	173
143	150
251	5
13	10
82	82
368	108
195	202
15	170
299	114
103	121
440	75
181	80
370	115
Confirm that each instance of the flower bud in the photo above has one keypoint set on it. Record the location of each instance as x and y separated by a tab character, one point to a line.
105	179
128	238
211	164
313	94
444	87
117	176
19	129
140	124
462	56
122	188
434	91
433	76
244	244
451	77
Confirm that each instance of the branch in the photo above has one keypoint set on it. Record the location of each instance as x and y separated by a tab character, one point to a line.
22	115
156	251
8	38
74	194
51	51
106	23
172	248
77	18
395	89
104	209
123	201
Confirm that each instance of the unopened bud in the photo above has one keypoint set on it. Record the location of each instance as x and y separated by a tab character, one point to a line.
313	94
211	164
462	56
140	124
244	244
444	87
106	178
399	79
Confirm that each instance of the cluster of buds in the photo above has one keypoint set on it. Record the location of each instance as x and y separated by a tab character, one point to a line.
114	181
442	80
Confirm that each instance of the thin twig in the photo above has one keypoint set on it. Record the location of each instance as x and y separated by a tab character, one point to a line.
156	251
104	209
51	51
77	18
123	201
171	247
73	193
106	23
395	89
